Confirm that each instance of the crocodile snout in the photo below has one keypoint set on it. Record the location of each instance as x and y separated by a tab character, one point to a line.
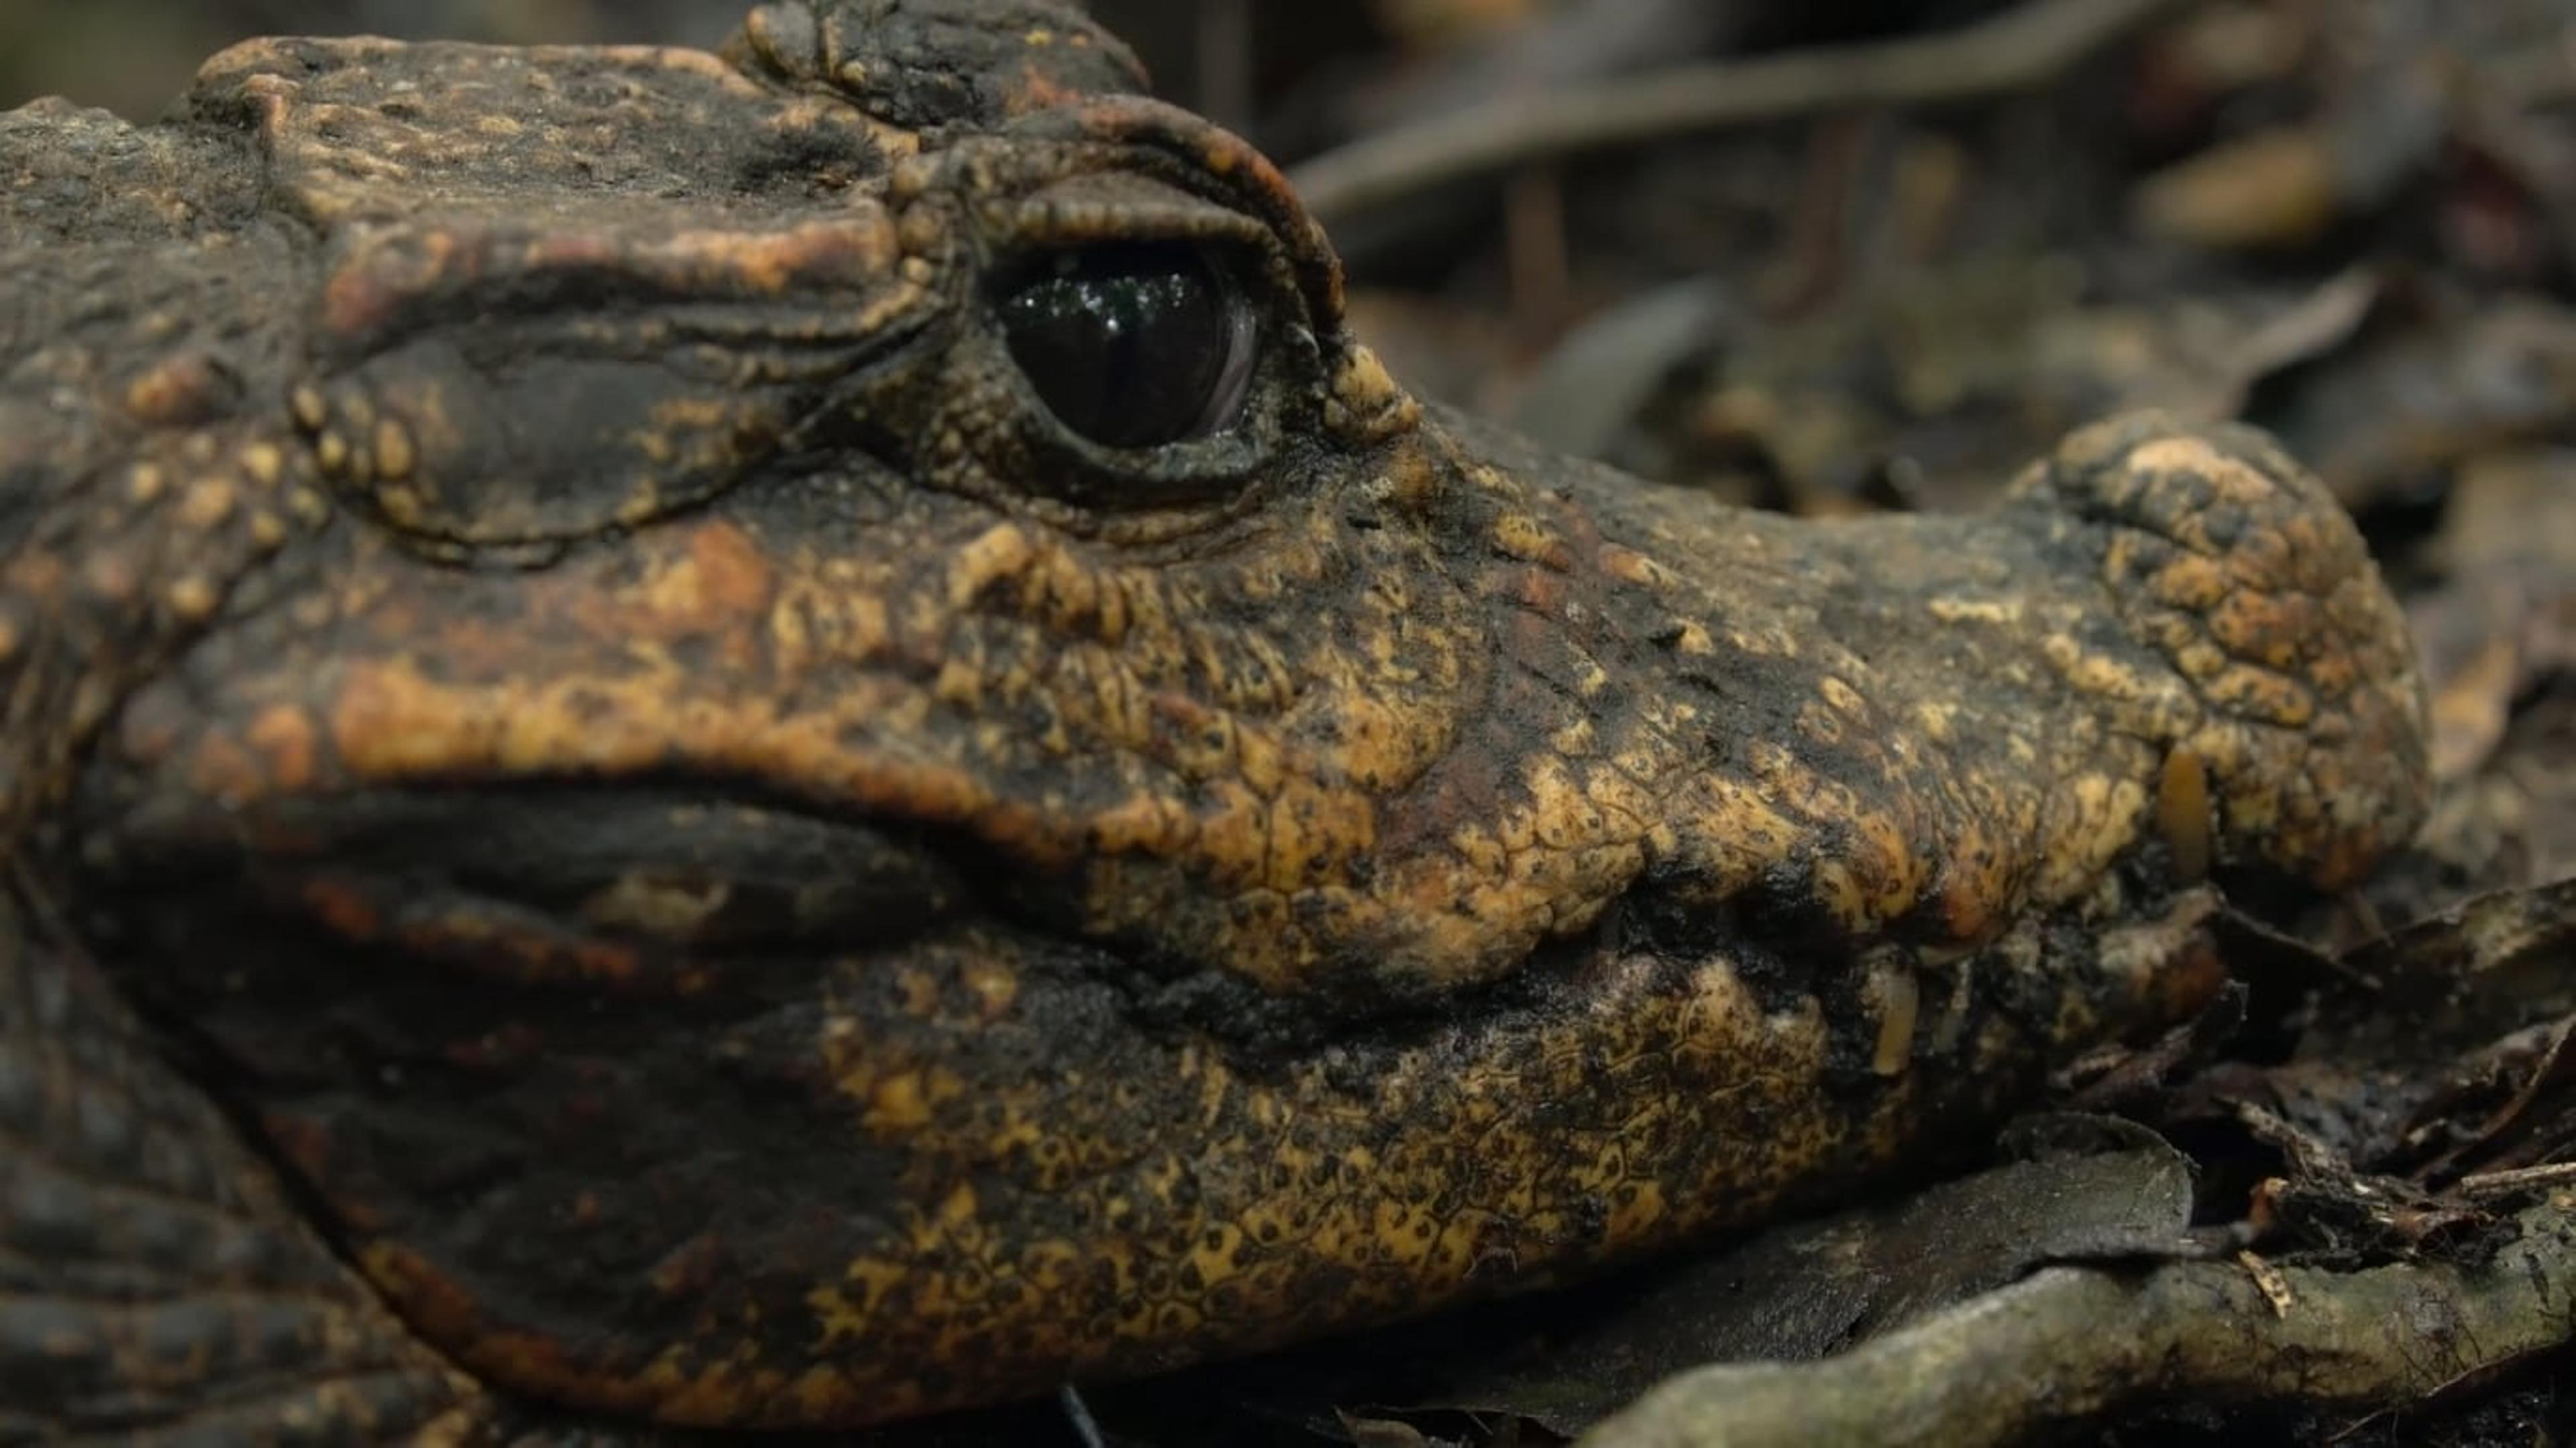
2223	555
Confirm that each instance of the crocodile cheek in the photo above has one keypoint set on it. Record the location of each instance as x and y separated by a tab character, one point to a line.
697	651
1163	770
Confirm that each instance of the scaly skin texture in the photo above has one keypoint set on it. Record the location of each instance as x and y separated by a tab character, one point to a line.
578	733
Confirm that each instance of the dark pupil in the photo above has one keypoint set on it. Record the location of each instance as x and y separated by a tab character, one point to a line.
1128	345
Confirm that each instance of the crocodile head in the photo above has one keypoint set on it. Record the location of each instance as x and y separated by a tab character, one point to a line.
810	742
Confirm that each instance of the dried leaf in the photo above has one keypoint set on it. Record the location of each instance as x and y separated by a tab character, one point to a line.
2091	1189
2275	190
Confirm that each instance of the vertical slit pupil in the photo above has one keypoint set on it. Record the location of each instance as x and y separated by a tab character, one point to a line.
1128	345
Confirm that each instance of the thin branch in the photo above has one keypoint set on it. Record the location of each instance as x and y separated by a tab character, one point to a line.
2013	51
2072	1344
2516	1179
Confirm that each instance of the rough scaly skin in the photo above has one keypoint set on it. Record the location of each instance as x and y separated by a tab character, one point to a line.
577	732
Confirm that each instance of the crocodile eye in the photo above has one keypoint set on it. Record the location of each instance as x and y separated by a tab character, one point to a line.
1132	345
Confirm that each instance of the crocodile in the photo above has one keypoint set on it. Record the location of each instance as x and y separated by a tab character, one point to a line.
792	737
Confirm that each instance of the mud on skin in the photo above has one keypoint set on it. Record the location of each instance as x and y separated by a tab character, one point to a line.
795	738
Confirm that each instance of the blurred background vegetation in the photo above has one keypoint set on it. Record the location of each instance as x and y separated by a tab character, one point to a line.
1253	63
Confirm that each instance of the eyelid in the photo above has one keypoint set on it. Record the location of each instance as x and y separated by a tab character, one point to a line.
1103	206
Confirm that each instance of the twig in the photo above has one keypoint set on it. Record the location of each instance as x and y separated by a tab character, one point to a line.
2516	1179
1077	1415
2076	1343
2010	52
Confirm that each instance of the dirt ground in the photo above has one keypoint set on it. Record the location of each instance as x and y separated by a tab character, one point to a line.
1907	247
